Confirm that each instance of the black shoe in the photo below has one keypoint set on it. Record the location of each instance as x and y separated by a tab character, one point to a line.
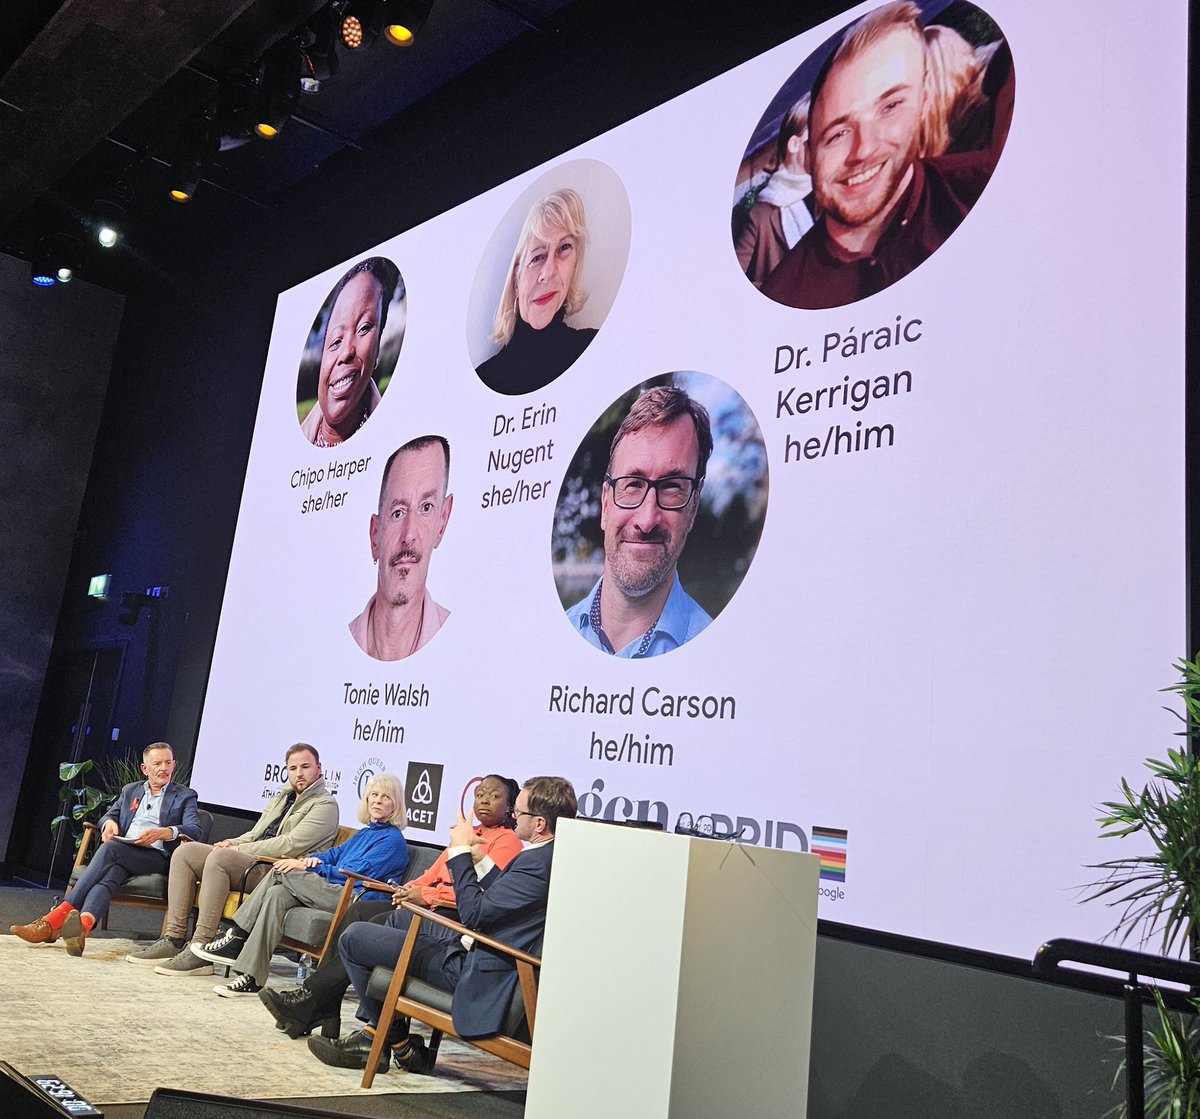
225	949
351	1051
413	1054
238	987
297	1012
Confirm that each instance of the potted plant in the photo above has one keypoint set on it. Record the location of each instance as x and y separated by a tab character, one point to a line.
86	803
1157	896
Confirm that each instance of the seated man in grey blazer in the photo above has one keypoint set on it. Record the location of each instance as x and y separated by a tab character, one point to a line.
508	904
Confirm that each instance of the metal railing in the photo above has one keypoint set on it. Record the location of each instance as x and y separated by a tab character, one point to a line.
1052	954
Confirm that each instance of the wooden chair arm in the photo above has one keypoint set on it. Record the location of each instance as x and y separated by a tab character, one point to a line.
90	831
352	876
344	900
479	938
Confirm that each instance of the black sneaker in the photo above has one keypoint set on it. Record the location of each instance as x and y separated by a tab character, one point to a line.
242	985
222	950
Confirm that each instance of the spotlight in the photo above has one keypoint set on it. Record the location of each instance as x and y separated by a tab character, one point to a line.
397	20
64	256
42	268
362	21
403	19
353	32
276	89
196	143
186	180
109	215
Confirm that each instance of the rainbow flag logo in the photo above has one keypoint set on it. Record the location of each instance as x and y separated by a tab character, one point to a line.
830	845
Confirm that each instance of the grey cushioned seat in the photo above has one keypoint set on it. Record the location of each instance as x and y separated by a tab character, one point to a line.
310	926
420	991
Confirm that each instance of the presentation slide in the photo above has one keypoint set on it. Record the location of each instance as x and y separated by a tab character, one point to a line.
802	460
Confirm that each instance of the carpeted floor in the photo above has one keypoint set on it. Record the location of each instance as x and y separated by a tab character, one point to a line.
115	1031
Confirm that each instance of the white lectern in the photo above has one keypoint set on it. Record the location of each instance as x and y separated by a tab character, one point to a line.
677	978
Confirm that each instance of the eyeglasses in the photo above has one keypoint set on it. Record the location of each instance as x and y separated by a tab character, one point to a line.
518	812
674	492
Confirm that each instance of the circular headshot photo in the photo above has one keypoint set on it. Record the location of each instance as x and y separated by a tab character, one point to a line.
351	352
548	277
659	515
401	617
873	152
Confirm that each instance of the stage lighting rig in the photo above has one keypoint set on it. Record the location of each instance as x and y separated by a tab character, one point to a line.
108	213
398	21
197	144
42	267
318	50
276	89
403	19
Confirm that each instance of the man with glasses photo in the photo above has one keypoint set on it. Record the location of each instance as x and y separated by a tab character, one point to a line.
648	504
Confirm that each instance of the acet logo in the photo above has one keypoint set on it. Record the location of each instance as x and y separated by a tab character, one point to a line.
423	792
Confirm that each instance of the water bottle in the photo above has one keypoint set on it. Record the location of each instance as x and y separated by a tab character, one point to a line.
304	967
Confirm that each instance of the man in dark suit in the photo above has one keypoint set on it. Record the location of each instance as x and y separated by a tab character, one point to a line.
509	905
137	835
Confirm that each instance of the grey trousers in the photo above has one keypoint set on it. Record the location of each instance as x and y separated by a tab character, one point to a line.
217	870
262	915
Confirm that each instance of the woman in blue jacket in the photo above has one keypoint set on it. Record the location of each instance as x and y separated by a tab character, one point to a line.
377	850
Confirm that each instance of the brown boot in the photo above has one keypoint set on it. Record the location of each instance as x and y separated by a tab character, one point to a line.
74	933
36	932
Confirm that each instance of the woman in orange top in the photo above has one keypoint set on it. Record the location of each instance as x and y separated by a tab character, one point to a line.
494	799
317	1001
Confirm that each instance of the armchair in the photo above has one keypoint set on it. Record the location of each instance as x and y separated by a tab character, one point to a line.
142	891
403	994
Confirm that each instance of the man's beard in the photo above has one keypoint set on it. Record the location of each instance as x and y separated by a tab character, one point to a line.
857	213
401	596
636	580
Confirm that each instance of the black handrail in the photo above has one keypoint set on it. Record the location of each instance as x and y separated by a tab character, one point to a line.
1134	964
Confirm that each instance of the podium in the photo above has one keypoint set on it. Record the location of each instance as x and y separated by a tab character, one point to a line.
677	978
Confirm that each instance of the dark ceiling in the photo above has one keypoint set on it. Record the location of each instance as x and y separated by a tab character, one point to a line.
99	98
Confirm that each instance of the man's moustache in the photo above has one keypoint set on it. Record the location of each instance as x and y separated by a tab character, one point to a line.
404	558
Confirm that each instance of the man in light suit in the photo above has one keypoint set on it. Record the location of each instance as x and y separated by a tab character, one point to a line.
137	835
509	905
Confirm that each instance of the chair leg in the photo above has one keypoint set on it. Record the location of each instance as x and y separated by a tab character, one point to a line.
435	1039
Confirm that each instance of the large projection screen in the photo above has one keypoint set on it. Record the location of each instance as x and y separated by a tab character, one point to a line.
941	533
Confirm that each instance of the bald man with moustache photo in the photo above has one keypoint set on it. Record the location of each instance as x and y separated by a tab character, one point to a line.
414	509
